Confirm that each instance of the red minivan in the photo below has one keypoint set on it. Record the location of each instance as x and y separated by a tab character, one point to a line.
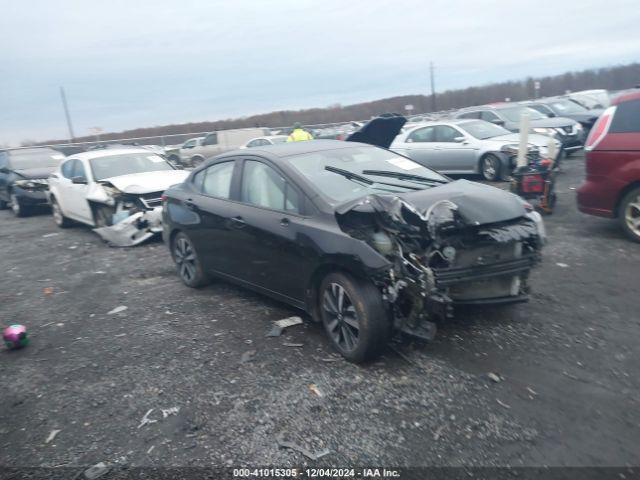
612	186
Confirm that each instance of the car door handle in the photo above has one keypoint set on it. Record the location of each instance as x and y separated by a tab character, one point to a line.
238	222
190	205
285	222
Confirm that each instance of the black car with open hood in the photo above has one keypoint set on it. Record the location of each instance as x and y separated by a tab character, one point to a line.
366	241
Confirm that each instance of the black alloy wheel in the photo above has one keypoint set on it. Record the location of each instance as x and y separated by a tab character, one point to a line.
187	262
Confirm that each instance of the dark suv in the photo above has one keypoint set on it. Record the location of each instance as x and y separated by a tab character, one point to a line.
612	186
563	107
569	132
23	177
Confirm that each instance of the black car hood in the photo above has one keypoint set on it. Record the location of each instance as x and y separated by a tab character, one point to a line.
554	122
379	131
40	172
477	204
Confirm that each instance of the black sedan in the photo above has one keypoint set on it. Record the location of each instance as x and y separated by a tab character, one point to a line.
365	240
23	177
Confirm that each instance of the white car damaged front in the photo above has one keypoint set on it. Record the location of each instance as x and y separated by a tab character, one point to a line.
133	212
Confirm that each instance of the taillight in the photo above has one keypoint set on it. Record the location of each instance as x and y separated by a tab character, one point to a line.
163	197
600	129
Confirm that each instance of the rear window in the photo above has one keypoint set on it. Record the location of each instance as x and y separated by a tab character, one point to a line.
627	118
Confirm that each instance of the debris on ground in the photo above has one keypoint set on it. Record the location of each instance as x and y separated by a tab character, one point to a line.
298	345
314	389
169	411
150	449
502	404
532	391
247	356
49	235
280	325
118	309
146	420
96	471
294	446
47	290
438	433
52	436
562	265
331	359
494	377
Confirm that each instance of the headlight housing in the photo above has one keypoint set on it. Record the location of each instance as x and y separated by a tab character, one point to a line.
32	183
510	148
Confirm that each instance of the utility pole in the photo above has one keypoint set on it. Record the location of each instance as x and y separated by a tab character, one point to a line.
66	113
433	89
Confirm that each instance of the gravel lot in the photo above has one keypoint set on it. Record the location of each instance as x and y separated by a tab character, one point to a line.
568	364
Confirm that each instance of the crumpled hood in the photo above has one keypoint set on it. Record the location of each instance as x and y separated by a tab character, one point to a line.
147	182
40	172
478	204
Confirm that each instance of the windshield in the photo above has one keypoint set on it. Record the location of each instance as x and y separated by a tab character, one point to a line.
513	113
27	159
483	130
126	164
566	107
339	188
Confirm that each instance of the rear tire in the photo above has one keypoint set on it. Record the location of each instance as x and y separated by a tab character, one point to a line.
629	214
354	317
188	262
491	168
58	217
196	161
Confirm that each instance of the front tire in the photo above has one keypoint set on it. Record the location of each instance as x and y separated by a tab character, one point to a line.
188	262
629	214
490	168
18	209
354	317
197	161
58	217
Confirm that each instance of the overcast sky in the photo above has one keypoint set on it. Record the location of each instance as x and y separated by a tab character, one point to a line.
136	63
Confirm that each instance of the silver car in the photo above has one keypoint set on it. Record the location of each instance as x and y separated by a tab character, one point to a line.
468	147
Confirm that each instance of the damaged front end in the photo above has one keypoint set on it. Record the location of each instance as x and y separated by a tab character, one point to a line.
443	255
125	218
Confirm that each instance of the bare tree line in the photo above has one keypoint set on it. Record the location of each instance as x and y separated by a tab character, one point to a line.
610	78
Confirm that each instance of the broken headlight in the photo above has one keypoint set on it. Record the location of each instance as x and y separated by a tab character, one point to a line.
441	215
32	184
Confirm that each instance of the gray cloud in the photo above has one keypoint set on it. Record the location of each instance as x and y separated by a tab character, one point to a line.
127	64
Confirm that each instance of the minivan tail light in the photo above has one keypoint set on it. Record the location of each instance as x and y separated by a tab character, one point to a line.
163	197
600	129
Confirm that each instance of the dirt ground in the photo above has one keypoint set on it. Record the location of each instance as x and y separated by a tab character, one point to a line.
567	362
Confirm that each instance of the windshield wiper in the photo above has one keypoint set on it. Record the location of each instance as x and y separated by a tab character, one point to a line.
403	176
363	179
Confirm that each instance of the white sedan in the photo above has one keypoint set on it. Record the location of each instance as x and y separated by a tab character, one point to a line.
263	141
116	190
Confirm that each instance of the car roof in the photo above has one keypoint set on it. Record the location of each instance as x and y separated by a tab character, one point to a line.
282	150
491	106
108	152
451	121
626	97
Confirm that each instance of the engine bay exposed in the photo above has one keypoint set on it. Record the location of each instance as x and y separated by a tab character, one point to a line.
440	258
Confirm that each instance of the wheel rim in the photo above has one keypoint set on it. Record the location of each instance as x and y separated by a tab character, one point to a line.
632	215
489	168
341	317
15	206
185	258
57	214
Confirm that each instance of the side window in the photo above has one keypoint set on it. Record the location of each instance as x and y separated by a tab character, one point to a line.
426	134
189	144
543	109
67	168
445	133
198	178
626	118
253	143
78	170
3	160
264	187
470	115
217	179
489	116
211	139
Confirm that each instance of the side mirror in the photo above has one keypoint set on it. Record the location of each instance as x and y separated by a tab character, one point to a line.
497	121
79	180
459	139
